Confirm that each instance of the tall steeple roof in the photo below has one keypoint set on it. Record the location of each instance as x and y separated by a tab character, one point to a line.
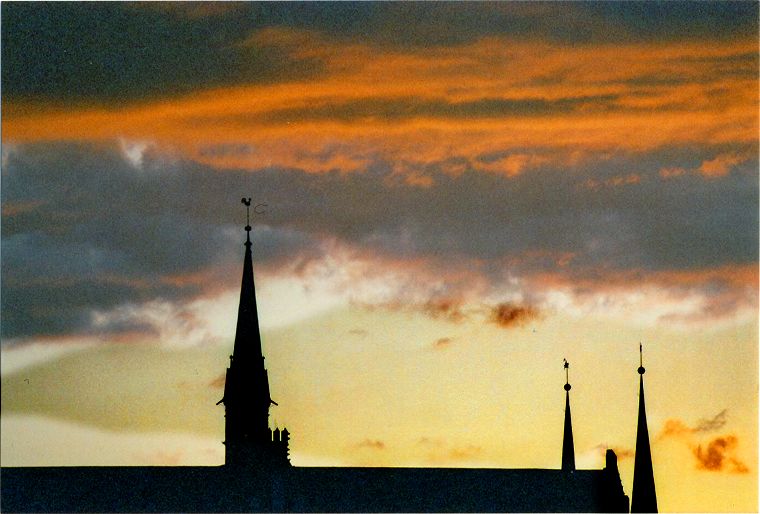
643	495
568	449
246	388
247	336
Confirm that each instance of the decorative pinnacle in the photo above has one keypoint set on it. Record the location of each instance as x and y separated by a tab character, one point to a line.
247	203
567	375
641	369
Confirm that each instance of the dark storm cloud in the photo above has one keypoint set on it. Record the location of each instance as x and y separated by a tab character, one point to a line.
85	228
124	51
115	52
102	233
688	223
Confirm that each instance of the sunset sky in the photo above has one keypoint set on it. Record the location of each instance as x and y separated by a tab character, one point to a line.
452	198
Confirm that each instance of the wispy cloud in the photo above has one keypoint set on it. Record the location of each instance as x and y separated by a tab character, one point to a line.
399	95
621	452
676	427
716	453
444	308
442	343
441	451
627	160
372	444
720	165
218	382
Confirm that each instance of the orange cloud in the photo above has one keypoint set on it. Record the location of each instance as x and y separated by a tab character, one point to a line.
514	164
720	166
440	451
737	276
373	444
717	167
465	453
443	342
718	454
508	314
715	455
621	452
446	308
218	382
674	428
415	107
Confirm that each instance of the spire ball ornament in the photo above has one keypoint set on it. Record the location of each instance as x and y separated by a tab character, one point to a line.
247	203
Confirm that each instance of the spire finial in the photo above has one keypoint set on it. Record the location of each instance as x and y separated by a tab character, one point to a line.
641	360
247	203
567	375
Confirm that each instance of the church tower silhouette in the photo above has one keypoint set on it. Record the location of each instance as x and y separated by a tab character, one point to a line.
568	449
248	438
257	475
643	494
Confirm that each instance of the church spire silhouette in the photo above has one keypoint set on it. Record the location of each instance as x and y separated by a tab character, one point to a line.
643	495
248	438
568	449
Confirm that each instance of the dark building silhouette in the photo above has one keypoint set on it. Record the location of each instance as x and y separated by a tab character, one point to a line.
257	475
643	496
248	440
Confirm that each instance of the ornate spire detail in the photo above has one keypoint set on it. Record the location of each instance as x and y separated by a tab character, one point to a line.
568	449
643	495
247	203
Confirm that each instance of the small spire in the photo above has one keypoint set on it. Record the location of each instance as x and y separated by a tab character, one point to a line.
643	493
568	448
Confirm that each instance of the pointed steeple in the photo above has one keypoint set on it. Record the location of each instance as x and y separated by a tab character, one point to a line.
247	336
246	389
643	495
568	449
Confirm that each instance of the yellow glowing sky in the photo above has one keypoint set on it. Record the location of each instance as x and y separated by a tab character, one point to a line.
452	204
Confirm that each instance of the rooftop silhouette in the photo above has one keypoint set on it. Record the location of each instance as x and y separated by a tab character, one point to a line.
257	474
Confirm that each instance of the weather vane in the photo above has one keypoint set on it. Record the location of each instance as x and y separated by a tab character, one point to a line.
247	203
641	359
567	375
